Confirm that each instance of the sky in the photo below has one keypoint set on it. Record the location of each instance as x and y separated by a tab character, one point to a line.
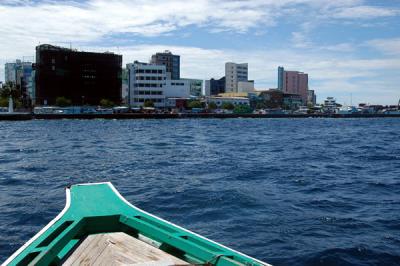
349	48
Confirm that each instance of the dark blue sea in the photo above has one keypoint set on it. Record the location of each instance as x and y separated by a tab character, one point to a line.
286	191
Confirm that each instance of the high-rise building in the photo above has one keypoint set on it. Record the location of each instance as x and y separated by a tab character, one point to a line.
214	86
233	74
293	82
280	78
10	72
170	61
146	83
20	73
312	97
82	77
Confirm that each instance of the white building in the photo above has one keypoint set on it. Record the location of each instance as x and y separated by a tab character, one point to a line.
177	88
330	105
246	86
196	87
183	88
233	74
219	101
146	83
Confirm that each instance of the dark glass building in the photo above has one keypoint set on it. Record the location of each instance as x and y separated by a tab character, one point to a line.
171	62
82	77
217	86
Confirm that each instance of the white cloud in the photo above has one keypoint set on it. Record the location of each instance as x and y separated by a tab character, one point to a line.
340	47
388	46
365	12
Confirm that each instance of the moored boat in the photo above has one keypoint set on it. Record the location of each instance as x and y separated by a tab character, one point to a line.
99	227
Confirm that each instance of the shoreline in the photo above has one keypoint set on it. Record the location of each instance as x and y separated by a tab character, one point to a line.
29	116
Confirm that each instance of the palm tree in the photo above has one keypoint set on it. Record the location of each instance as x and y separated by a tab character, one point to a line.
10	91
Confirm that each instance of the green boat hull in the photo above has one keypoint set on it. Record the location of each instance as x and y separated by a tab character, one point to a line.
99	208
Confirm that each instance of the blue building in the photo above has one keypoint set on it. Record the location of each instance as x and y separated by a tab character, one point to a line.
281	70
20	73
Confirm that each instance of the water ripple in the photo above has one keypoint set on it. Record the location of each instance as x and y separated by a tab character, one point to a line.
287	191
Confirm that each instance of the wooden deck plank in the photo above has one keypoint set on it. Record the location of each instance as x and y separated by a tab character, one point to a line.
117	249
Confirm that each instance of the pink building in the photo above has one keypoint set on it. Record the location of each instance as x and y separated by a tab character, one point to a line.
295	82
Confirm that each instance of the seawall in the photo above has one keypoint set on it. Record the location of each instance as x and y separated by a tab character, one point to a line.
28	116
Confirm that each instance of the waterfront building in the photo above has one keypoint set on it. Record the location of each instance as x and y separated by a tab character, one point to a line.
330	105
82	77
214	86
234	94
292	101
245	86
183	88
219	101
293	82
170	61
177	88
233	74
312	98
196	87
147	82
272	98
176	103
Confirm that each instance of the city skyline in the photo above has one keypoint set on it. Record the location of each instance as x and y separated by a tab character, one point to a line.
349	48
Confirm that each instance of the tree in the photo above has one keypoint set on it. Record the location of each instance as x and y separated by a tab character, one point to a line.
63	102
242	109
228	106
212	106
195	104
3	102
148	103
106	103
260	105
9	89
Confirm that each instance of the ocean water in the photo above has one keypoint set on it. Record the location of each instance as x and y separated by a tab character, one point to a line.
286	191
